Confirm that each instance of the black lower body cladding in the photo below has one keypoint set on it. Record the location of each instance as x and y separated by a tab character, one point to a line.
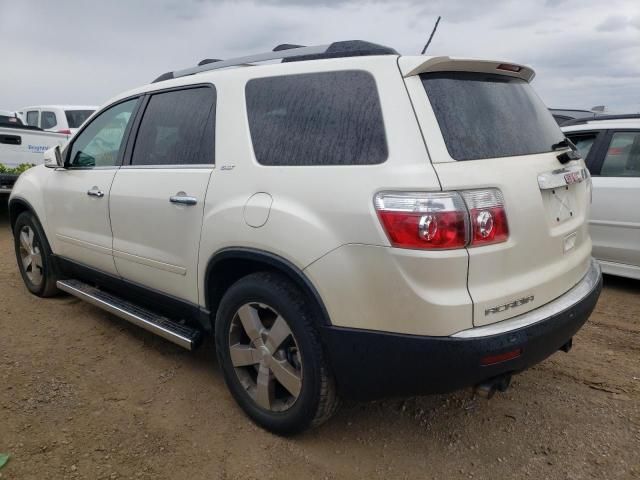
370	365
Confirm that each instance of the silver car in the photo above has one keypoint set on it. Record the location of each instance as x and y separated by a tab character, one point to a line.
611	147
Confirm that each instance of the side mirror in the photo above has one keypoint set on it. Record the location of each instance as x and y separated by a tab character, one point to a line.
53	158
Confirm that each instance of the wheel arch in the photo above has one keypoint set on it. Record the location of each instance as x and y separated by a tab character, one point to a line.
230	264
18	205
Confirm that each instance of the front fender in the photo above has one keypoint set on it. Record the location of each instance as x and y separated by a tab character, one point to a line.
28	194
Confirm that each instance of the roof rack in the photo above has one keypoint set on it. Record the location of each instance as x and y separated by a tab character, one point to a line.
597	118
289	53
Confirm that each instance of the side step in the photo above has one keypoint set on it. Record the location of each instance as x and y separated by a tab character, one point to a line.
177	333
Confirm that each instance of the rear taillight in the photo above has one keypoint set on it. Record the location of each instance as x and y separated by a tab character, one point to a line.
66	131
423	220
488	217
442	220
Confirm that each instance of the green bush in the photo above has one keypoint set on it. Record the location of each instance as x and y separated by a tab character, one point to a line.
17	170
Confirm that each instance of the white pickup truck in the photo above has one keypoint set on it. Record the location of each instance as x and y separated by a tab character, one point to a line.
23	145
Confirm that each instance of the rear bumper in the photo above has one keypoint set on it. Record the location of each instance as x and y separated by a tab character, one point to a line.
369	364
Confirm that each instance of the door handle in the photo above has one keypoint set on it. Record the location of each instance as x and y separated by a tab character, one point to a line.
182	198
95	192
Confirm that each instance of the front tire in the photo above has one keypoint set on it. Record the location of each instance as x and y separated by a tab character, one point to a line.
270	353
34	256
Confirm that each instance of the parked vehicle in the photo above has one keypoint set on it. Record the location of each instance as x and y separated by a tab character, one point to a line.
349	222
56	118
22	145
611	148
9	118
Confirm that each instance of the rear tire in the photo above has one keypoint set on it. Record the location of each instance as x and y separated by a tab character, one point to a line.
33	255
270	353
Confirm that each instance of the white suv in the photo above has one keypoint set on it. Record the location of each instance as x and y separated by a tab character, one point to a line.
347	222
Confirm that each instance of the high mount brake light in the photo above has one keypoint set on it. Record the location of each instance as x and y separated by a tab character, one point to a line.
442	220
509	67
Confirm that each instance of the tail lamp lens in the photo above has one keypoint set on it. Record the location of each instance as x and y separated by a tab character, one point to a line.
442	220
488	216
423	220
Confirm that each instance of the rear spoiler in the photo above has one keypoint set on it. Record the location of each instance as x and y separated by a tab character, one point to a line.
415	65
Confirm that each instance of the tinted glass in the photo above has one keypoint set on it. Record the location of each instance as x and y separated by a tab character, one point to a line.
623	156
75	118
330	118
583	142
32	118
489	116
99	144
48	120
177	129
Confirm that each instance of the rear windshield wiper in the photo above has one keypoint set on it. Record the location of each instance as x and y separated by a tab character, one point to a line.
565	143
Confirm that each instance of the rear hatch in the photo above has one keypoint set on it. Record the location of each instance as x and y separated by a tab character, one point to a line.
485	127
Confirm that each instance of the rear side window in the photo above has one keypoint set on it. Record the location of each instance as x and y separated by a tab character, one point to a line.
48	120
488	116
32	118
623	156
328	118
75	118
178	128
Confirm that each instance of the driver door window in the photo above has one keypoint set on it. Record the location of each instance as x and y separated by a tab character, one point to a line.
100	144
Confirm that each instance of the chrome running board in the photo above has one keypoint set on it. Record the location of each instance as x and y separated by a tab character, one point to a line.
175	332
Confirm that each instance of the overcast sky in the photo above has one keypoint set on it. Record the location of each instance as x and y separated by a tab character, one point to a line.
585	52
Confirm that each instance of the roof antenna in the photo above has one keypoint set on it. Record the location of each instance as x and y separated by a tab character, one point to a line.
431	36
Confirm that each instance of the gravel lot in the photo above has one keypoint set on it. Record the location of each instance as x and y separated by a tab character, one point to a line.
85	395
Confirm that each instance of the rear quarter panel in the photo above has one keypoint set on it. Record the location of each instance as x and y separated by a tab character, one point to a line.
315	209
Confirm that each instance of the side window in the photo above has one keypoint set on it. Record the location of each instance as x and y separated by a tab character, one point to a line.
32	118
99	144
178	128
328	118
583	142
48	120
623	156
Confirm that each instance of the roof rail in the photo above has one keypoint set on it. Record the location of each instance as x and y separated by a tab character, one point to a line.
597	118
290	53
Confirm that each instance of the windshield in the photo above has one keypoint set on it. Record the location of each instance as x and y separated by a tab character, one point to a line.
489	116
75	118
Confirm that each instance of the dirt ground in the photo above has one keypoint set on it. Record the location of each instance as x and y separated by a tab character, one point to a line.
86	395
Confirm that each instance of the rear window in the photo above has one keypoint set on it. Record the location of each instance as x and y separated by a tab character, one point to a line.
32	118
327	118
75	118
488	116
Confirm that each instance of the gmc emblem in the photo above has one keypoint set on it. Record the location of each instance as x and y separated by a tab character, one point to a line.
507	306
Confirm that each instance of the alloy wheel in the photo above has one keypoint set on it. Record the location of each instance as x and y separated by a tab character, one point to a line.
31	256
265	357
